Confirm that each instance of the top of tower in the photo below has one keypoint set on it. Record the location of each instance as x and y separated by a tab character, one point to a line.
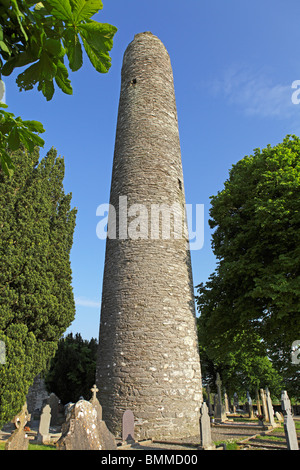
148	33
146	42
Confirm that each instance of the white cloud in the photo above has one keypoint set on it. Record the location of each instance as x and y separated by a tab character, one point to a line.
84	302
256	93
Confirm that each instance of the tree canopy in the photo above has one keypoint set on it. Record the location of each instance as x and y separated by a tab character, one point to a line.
36	296
253	297
72	370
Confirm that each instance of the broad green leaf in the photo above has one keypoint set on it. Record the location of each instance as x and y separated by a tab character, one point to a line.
20	60
60	9
73	49
30	140
34	126
27	79
62	79
98	35
14	139
4	47
96	61
97	39
54	47
6	163
47	88
85	9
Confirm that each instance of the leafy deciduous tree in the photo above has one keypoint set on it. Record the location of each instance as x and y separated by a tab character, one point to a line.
255	290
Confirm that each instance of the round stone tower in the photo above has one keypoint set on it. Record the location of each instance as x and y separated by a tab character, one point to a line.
148	358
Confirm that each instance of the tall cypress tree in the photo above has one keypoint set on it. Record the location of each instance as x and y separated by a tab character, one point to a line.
36	297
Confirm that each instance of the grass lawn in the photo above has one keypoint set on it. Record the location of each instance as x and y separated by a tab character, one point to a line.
33	446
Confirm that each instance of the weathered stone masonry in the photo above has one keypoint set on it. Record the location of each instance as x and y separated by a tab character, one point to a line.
148	358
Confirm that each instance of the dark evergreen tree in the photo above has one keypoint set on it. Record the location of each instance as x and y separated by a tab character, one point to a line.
73	369
36	297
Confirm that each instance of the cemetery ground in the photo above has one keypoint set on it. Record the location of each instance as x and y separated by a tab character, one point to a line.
239	433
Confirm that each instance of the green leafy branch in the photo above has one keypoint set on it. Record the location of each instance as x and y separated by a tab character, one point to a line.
39	36
13	133
44	33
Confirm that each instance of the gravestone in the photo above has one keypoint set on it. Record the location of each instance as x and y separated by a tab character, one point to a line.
19	439
36	396
264	405
84	431
208	401
95	402
220	414
205	429
279	416
43	433
235	402
226	402
270	408
128	426
54	403
289	425
258	403
215	403
249	406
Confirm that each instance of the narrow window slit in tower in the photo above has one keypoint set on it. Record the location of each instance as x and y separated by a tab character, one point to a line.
180	184
133	82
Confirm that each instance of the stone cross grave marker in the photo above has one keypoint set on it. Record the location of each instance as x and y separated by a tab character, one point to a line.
19	439
95	402
53	401
128	426
205	429
289	425
220	415
43	433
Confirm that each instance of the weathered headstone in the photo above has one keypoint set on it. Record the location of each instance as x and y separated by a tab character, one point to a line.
264	405
279	416
128	426
84	431
235	402
220	414
205	429
258	403
289	425
54	403
226	402
36	396
43	433
249	406
19	439
270	408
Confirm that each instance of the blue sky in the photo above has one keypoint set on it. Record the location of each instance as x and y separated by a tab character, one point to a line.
234	63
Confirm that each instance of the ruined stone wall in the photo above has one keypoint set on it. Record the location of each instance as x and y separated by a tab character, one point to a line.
148	358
